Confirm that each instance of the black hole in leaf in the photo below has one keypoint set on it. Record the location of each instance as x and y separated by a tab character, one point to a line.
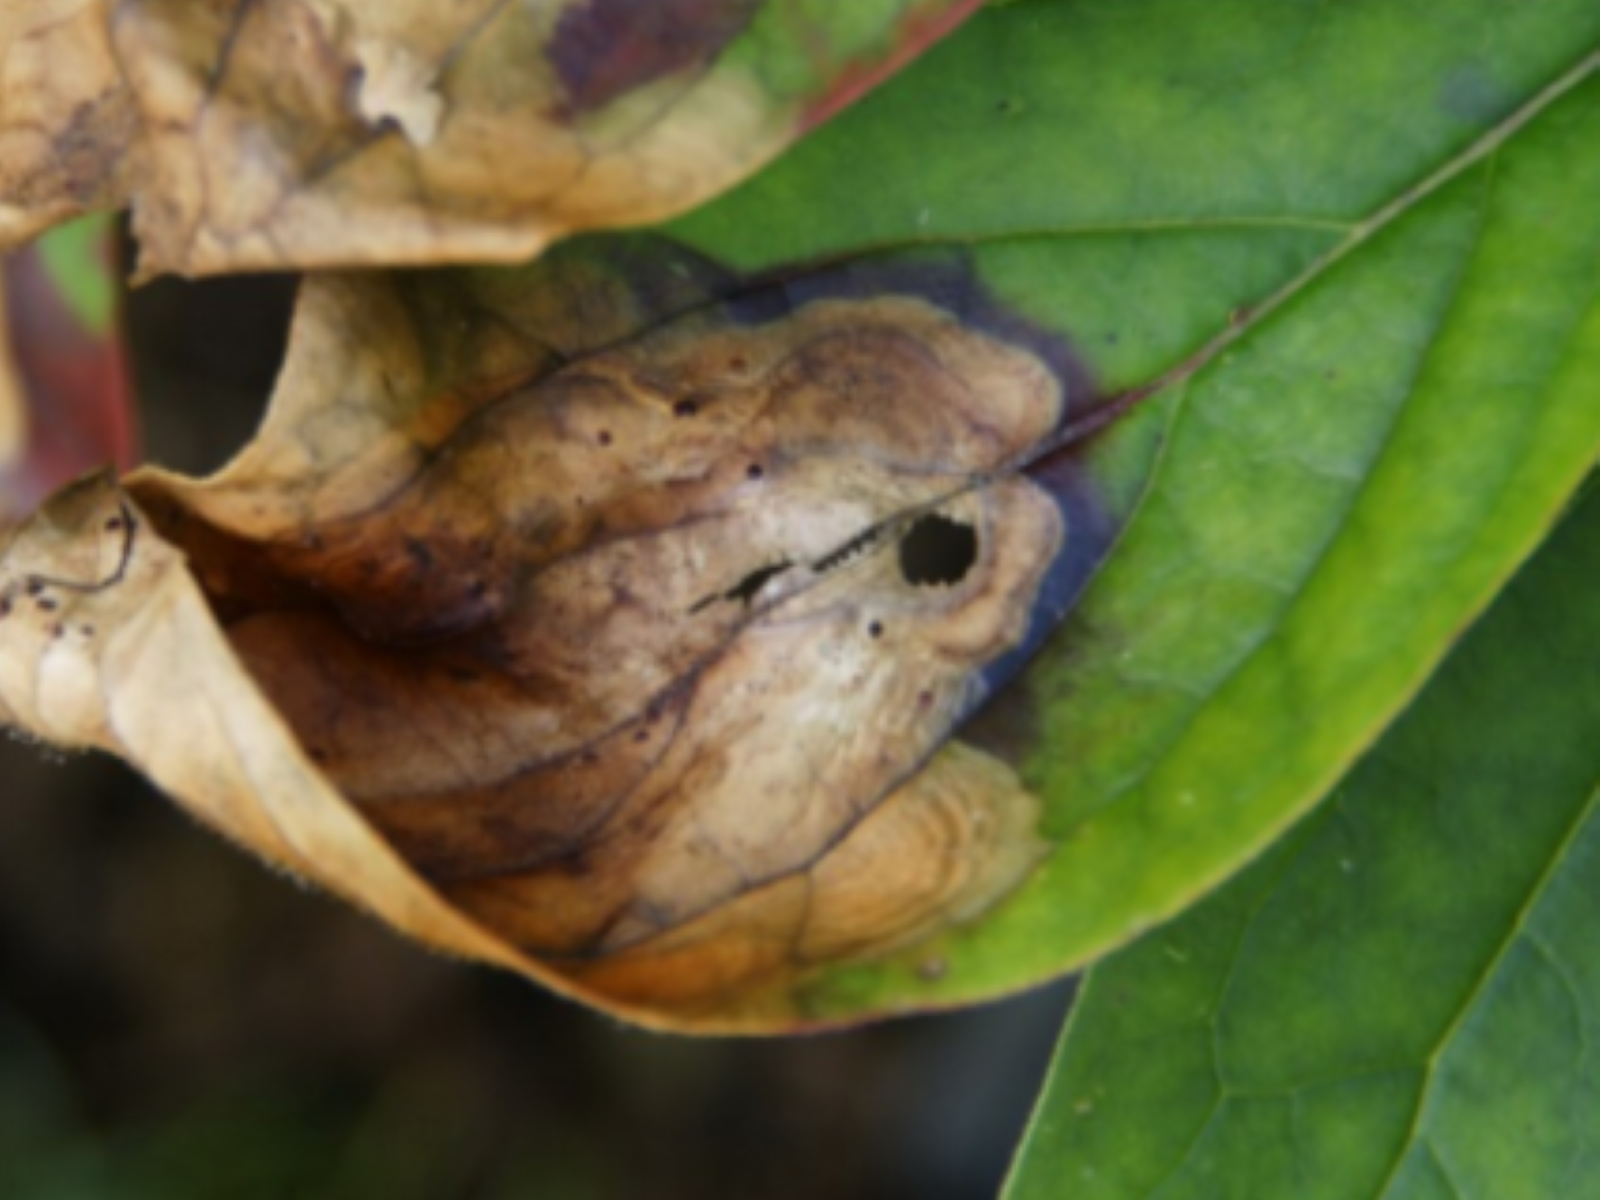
938	551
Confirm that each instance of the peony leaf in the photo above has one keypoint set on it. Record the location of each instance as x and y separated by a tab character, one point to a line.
497	517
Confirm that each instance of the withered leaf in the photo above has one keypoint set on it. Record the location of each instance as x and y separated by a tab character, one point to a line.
641	643
314	133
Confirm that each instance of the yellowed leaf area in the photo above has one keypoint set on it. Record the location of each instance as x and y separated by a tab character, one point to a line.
631	667
316	133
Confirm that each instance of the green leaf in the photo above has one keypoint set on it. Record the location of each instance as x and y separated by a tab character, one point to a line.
1399	1001
1362	238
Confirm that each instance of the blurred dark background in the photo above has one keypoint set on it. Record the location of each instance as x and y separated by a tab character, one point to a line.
177	1021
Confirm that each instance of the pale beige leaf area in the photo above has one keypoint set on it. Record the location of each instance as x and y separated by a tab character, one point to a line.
624	663
67	124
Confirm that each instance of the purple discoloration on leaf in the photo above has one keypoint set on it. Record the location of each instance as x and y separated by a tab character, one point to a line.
607	48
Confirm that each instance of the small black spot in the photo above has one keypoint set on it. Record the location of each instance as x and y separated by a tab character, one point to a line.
5	607
754	471
642	735
57	630
604	437
937	551
86	630
34	587
685	408
114	524
875	629
48	605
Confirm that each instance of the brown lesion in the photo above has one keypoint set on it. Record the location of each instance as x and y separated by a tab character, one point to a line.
634	706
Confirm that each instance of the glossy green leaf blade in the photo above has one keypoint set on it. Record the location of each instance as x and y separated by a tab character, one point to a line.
1397	1002
1378	403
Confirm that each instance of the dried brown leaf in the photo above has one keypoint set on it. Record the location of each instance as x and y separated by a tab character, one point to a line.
640	653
